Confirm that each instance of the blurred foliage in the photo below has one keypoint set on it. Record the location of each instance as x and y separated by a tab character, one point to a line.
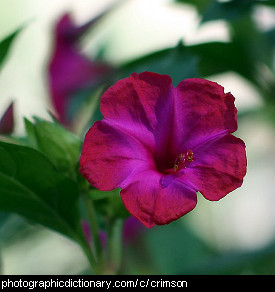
5	45
52	198
175	250
109	204
185	253
48	198
59	144
250	51
168	61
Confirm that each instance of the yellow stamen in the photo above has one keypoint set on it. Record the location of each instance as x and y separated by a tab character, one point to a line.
182	159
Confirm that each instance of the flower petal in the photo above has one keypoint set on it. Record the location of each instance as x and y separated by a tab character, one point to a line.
142	104
110	156
7	121
219	167
63	84
202	110
152	203
131	229
70	70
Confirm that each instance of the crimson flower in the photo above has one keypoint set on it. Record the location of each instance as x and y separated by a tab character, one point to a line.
69	70
161	145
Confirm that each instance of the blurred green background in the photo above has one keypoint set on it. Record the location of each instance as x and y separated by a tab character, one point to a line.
230	42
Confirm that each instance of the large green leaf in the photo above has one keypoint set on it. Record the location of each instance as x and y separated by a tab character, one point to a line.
199	60
5	46
219	57
31	186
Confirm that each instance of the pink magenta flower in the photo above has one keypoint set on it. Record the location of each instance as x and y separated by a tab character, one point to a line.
161	145
70	70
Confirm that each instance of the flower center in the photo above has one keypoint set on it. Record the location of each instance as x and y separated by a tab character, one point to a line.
183	160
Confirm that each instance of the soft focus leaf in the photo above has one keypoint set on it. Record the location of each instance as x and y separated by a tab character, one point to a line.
109	203
270	34
259	262
184	253
200	5
256	48
179	251
267	2
228	11
257	44
32	187
5	46
31	136
3	218
14	228
86	104
248	49
59	144
195	61
219	57
176	62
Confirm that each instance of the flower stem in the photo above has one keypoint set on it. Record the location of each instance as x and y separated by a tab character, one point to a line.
81	240
114	244
94	228
89	254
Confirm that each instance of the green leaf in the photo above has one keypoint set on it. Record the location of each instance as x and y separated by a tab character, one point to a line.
14	227
219	57
109	203
255	262
229	11
176	62
266	2
200	5
31	186
270	35
175	249
59	144
195	61
183	253
5	46
86	108
254	44
3	218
